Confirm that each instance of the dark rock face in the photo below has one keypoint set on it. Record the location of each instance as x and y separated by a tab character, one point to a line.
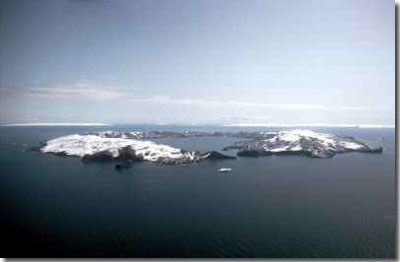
197	157
214	155
249	153
258	153
378	150
234	147
37	148
63	154
252	153
124	161
320	153
102	156
180	161
315	151
128	153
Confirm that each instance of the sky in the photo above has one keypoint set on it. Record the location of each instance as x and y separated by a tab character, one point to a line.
198	62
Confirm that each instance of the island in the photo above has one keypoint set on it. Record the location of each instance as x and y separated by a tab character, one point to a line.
98	148
125	148
300	142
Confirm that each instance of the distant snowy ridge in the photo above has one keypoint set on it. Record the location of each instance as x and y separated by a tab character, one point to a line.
118	134
307	125
154	134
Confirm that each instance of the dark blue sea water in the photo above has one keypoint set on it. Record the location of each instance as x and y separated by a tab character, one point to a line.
277	206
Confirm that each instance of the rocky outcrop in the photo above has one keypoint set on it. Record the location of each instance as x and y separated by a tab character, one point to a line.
102	156
127	152
378	150
215	155
37	148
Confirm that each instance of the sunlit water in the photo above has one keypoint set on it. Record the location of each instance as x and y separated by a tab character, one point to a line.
277	206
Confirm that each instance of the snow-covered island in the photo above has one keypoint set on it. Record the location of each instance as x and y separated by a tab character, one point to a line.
94	148
300	142
128	147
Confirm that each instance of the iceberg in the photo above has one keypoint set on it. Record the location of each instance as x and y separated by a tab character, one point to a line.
224	170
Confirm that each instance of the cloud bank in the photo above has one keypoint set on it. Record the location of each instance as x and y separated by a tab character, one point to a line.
135	104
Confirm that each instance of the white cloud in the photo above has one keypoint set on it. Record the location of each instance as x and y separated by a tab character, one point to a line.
244	104
98	91
52	92
84	89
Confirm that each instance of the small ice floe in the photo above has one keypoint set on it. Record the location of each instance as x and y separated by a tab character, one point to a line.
224	170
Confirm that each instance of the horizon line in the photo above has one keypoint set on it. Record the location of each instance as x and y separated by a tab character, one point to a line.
221	125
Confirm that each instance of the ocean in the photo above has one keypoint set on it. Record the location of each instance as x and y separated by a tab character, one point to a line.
267	207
